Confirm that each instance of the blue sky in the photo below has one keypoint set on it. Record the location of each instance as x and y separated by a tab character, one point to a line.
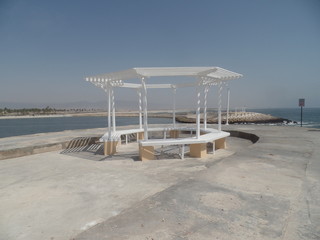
48	47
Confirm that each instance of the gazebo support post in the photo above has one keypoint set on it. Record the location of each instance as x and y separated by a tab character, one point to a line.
219	106
145	152
206	90
198	150
110	144
198	111
174	108
174	133
145	110
228	106
140	109
109	113
113	112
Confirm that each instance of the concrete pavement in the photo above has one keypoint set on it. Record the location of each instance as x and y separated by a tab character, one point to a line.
266	190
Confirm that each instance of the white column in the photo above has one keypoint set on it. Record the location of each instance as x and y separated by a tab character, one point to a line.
206	90
113	111
145	112
140	109
219	105
109	112
228	106
174	107
198	112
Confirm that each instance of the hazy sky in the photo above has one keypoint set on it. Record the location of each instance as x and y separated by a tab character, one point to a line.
48	47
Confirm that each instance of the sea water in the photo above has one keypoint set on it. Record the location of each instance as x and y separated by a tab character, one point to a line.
16	127
310	116
23	126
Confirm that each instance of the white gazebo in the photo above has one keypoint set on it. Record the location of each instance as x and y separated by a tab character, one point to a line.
203	79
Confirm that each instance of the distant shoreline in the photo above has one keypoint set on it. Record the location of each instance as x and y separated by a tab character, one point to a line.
160	114
234	118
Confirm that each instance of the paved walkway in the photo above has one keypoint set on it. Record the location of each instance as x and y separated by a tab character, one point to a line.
266	190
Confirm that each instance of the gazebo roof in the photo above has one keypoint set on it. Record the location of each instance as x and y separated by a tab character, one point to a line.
204	73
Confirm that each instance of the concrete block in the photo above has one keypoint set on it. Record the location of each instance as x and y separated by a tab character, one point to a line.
198	150
110	147
174	133
140	135
146	153
220	143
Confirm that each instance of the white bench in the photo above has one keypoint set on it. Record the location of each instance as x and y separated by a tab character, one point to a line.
116	136
198	146
146	147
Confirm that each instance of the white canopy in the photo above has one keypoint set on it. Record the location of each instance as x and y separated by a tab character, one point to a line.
206	74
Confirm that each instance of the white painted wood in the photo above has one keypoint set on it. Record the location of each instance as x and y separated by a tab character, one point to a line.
209	137
206	90
119	133
210	73
140	109
182	151
219	106
198	112
174	107
228	106
109	111
145	110
113	111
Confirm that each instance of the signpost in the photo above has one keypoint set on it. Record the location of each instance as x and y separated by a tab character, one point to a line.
301	104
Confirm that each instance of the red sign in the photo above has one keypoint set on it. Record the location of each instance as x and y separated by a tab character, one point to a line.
301	102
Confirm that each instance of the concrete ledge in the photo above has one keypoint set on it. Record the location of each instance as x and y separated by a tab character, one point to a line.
146	153
19	152
198	150
48	147
249	136
220	143
110	147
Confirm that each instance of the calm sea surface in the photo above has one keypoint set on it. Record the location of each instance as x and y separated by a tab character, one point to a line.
310	116
16	127
23	126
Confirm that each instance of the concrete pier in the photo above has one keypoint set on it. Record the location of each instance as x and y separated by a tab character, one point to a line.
266	190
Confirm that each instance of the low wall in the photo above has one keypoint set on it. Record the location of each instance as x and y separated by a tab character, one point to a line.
249	136
49	147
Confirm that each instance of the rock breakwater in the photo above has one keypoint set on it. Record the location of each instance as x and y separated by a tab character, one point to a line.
235	117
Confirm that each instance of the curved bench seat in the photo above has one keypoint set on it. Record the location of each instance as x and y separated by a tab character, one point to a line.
205	138
116	136
198	146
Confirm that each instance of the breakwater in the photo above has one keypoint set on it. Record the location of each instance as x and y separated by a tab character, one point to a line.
235	117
